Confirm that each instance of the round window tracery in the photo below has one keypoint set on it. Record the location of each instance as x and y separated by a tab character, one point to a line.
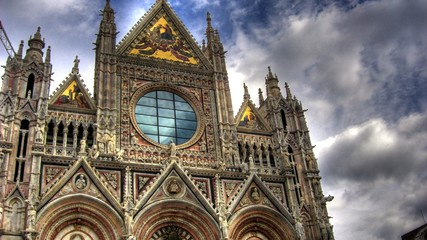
165	117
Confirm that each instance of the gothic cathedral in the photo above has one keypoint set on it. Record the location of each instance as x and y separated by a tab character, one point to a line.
156	152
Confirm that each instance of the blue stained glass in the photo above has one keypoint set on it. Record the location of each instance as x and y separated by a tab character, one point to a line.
167	122
186	124
185	133
166	131
165	140
183	106
149	129
165	104
146	119
146	110
179	99
185	115
164	95
147	101
150	94
164	116
169	113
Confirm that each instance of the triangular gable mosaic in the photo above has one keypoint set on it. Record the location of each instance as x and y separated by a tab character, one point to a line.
162	41
249	119
161	35
72	96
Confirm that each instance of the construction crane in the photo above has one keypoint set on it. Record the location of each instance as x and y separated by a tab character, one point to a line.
6	43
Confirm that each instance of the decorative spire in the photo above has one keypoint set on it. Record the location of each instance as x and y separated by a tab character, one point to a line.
20	49
272	83
246	95
36	44
288	92
108	13
76	66
37	35
209	29
260	97
270	74
208	19
47	58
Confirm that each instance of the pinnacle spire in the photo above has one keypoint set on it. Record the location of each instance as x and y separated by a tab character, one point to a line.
47	58
20	49
260	97
288	91
246	95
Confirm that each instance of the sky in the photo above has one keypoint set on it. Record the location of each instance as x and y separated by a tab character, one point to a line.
359	67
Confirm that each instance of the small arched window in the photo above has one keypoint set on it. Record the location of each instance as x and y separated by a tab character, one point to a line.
30	86
282	114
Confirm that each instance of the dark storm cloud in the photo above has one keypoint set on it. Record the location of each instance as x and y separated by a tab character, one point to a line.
377	171
358	66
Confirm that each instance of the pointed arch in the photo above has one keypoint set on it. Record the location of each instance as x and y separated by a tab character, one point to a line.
59	219
174	213
261	222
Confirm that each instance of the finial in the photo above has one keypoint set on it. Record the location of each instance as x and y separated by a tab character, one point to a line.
260	97
37	35
47	58
246	95
270	74
288	91
208	17
20	49
76	65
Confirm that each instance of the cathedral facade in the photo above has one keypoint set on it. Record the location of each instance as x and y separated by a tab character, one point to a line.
157	152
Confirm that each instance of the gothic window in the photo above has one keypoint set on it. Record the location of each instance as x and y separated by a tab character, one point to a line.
30	86
49	135
263	157
256	156
282	114
295	172
21	150
248	152
90	136
60	135
164	117
70	135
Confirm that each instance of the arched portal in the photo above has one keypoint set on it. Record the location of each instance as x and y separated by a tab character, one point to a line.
175	219
260	223
79	216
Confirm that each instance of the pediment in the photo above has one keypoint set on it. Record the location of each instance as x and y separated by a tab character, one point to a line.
80	178
174	184
254	192
160	35
249	119
72	94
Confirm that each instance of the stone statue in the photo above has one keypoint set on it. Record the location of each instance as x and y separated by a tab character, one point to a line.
39	134
81	182
82	146
94	152
172	149
109	141
255	194
300	230
134	139
202	145
3	131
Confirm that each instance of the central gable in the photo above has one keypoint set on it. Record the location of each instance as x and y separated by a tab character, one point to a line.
161	35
